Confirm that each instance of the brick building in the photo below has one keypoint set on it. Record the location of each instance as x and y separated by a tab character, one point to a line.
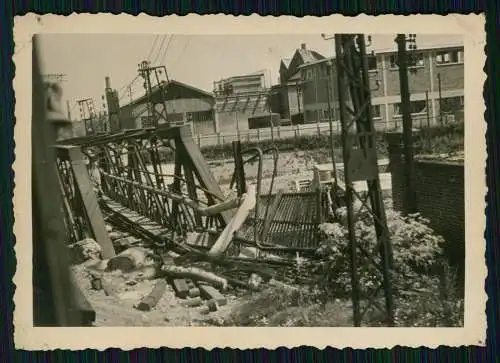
185	104
289	102
239	98
436	80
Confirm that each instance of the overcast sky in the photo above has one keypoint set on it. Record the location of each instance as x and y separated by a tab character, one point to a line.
199	60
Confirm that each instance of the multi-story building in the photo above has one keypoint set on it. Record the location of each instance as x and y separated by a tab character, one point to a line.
239	98
288	101
436	82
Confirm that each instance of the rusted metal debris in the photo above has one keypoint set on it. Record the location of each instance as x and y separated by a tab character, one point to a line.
248	241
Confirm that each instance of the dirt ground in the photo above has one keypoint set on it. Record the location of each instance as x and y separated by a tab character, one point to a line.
115	303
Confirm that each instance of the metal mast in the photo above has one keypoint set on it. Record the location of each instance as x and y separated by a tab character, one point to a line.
360	164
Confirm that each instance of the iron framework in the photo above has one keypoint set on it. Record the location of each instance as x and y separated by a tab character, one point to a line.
360	164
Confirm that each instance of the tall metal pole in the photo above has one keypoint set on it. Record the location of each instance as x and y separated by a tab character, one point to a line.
411	202
349	195
440	99
144	71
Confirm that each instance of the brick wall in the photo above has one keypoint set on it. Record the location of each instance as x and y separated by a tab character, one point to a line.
440	197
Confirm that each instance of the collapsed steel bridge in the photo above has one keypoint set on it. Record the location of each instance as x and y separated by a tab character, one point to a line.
124	174
161	175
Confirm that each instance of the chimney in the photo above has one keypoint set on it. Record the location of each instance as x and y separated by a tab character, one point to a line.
303	46
108	83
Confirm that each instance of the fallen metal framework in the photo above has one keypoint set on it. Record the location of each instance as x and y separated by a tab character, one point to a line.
128	168
360	164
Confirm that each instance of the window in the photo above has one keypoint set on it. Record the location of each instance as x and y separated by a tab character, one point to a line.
372	63
175	117
376	111
450	57
451	104
199	116
309	74
415	107
414	60
147	121
228	89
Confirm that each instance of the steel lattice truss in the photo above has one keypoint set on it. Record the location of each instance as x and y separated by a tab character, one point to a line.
127	169
360	164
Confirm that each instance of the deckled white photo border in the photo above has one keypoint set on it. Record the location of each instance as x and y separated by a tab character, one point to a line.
474	331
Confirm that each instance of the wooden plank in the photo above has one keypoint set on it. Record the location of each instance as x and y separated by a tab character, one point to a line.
234	224
152	299
210	293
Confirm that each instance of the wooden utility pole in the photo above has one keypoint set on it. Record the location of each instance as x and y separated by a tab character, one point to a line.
411	200
440	99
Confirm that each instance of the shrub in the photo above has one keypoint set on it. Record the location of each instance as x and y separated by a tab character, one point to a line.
419	271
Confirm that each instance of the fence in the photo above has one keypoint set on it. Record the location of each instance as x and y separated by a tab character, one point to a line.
316	129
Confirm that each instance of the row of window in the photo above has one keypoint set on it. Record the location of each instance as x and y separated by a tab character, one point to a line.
417	59
449	104
414	60
200	116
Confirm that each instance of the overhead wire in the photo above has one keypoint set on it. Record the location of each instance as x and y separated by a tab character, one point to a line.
166	50
127	86
182	51
159	49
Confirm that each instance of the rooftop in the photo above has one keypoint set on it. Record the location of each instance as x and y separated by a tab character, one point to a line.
155	90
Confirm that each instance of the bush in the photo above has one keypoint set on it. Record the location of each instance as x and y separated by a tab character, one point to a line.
421	280
437	139
441	138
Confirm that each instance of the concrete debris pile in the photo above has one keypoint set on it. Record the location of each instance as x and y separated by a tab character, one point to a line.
194	281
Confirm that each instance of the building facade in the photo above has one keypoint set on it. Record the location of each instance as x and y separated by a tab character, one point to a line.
238	99
183	103
436	82
289	101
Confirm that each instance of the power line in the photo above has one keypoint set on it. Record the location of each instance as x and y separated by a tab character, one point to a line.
124	88
159	49
166	50
153	47
182	51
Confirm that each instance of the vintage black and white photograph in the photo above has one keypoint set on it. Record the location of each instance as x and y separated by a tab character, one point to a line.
249	180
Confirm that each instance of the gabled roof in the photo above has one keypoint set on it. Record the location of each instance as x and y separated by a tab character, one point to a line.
286	62
155	90
309	55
